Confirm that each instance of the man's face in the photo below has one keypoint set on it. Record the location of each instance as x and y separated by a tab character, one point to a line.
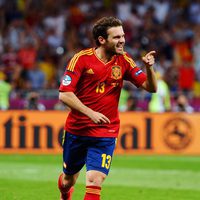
115	41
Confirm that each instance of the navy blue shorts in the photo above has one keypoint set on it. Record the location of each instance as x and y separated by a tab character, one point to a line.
96	153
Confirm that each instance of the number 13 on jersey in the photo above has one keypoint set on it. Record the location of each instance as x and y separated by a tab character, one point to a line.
100	88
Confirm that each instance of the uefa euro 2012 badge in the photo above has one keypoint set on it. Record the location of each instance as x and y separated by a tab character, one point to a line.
66	80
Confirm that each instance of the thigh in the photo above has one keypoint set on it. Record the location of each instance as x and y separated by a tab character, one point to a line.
99	155
74	154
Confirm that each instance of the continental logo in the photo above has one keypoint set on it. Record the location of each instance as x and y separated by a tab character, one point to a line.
140	133
178	133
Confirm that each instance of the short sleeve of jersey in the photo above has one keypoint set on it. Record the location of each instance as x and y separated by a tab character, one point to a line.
133	73
72	74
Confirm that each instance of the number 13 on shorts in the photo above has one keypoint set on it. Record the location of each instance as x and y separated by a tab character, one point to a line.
106	161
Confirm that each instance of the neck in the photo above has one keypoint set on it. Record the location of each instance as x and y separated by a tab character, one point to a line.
103	55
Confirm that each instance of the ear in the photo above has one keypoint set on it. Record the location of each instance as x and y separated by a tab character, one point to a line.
101	40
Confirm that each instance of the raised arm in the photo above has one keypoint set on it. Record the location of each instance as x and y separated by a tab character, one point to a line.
150	84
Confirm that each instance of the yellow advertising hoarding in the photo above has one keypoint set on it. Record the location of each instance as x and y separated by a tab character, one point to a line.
140	132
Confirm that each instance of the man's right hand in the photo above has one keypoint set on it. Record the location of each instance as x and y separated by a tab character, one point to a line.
98	118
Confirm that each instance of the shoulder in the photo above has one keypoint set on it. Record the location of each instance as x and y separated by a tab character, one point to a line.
126	57
79	59
83	53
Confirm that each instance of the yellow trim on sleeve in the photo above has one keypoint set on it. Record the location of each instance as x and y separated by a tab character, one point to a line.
130	61
73	61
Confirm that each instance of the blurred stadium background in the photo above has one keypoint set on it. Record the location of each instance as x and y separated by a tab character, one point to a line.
37	39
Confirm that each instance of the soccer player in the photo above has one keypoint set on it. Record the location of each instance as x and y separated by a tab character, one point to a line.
91	87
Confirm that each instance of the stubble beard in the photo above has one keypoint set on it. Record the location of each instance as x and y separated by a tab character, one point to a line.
113	51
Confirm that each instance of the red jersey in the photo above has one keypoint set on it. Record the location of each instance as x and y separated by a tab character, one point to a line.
98	86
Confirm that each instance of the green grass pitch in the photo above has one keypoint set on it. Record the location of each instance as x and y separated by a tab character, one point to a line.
34	177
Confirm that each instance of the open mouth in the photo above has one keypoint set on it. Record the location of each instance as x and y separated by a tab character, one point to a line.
120	48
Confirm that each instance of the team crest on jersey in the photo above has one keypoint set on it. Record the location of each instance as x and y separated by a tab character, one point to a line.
116	72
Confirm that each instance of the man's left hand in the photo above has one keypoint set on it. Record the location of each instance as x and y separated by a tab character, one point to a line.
149	59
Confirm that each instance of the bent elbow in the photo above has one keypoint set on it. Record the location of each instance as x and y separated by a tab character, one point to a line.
60	96
154	90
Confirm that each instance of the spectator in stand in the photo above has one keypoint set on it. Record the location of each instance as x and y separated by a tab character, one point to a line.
27	56
181	104
171	78
76	16
5	89
47	66
186	77
36	78
196	51
54	41
123	8
32	102
124	95
160	101
194	11
132	104
10	60
161	10
12	33
55	21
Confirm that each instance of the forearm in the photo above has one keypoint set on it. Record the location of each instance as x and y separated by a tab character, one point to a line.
151	82
71	100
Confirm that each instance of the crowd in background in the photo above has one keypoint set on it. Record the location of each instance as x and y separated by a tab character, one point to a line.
37	39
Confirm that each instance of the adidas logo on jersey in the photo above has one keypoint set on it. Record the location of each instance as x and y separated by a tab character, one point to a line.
90	71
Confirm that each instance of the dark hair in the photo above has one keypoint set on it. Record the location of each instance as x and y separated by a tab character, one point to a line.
102	25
